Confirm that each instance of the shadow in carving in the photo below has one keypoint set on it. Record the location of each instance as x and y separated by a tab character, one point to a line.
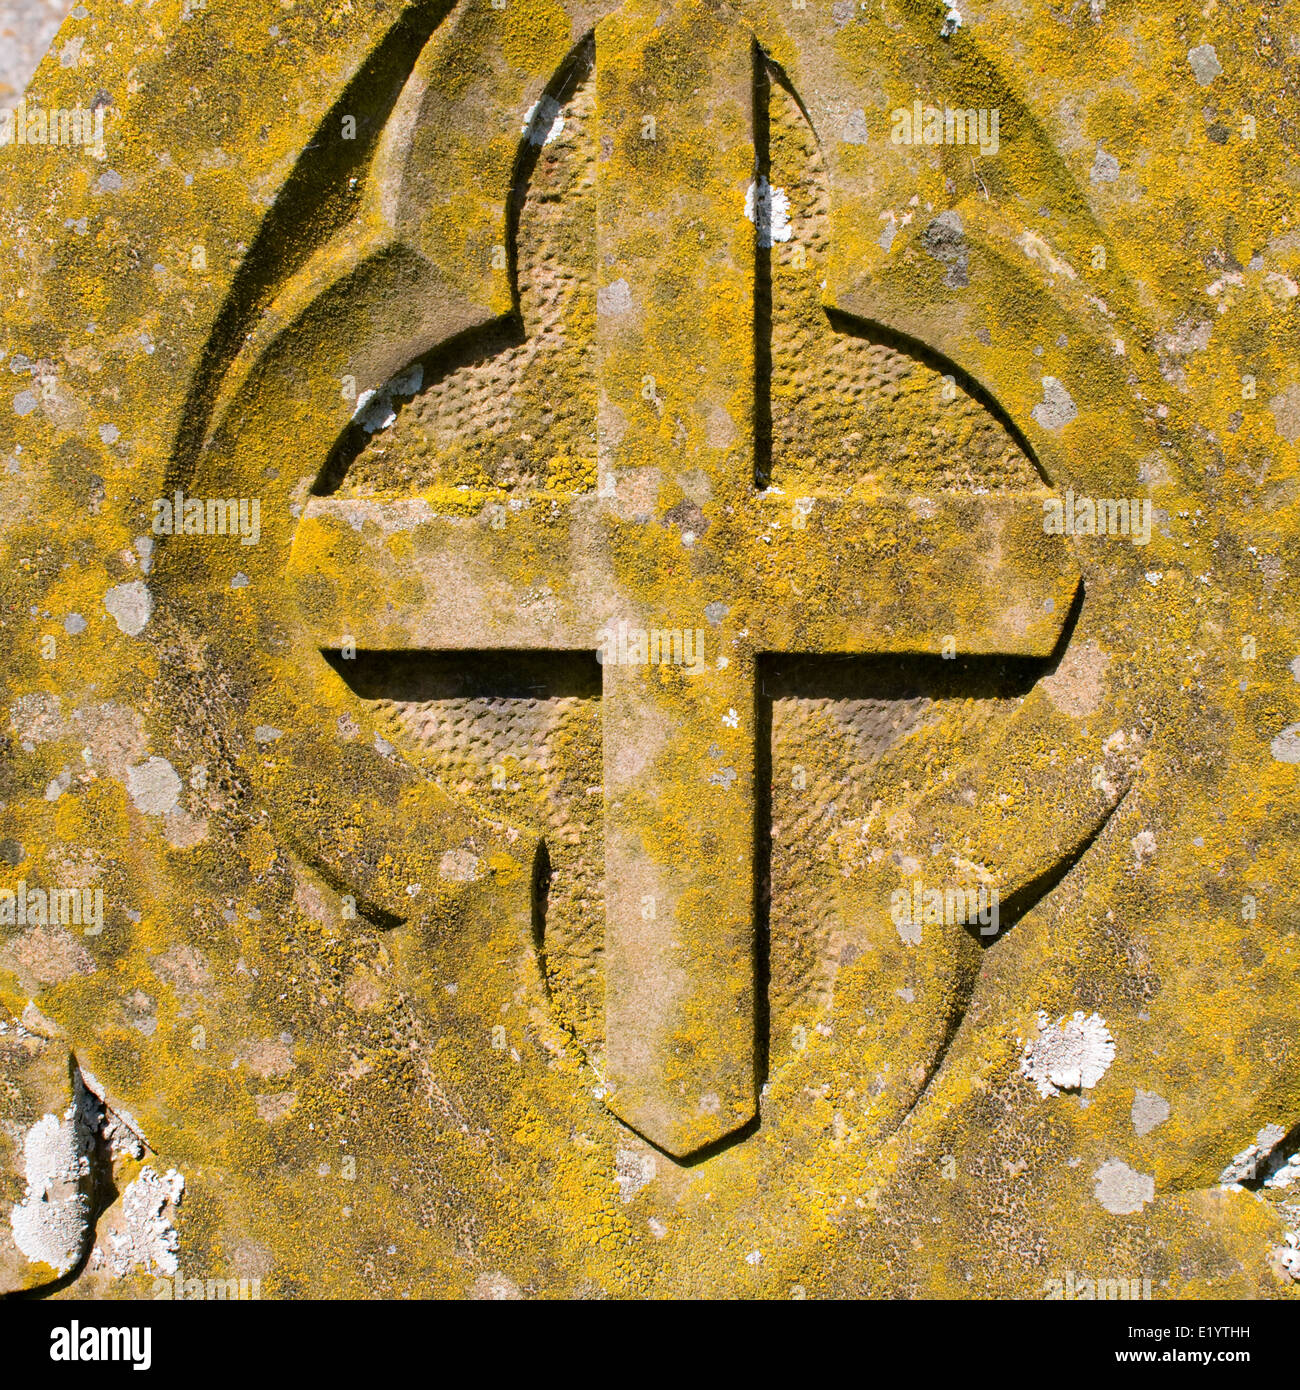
317	200
417	676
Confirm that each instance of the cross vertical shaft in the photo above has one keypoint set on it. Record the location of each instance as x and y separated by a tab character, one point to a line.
675	353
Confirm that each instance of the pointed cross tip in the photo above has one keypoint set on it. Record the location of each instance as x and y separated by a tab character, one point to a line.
679	1134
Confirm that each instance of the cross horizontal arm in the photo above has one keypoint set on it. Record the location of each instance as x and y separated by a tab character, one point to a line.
497	580
903	574
881	575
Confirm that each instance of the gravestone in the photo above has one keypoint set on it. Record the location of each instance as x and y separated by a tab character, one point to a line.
668	630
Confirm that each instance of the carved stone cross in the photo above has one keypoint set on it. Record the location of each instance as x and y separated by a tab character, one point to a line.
679	536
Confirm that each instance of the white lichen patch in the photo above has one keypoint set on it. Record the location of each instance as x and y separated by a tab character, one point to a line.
1258	1161
544	121
376	410
768	209
1068	1055
147	1238
121	1138
1283	1171
1144	846
1287	1255
52	1223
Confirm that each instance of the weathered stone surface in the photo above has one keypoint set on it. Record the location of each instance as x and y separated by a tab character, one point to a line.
66	1154
453	945
44	1202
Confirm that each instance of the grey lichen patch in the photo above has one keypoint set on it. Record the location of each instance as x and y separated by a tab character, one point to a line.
1285	410
1204	63
1077	686
1105	167
1286	746
154	786
615	298
130	605
404	515
1149	1110
855	130
36	718
459	866
909	932
1068	1056
46	955
1121	1189
634	1169
1057	408
495	1288
945	240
